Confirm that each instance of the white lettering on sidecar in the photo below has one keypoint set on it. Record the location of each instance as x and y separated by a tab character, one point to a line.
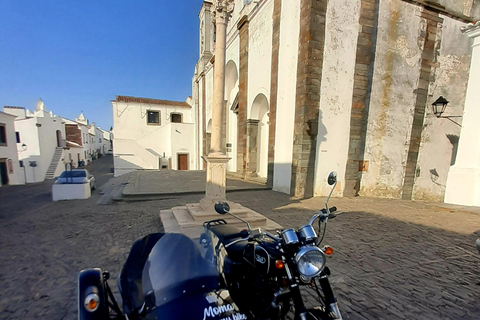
215	311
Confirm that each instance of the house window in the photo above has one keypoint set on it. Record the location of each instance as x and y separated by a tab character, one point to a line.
17	135
3	135
176	117
153	117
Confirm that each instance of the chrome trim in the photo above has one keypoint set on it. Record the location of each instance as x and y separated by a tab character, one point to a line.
289	236
335	311
307	233
91	296
304	250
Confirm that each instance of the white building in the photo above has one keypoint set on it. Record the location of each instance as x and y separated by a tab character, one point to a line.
11	171
42	139
104	141
341	85
151	134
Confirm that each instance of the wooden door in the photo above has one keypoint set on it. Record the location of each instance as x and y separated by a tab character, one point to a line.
3	172
182	161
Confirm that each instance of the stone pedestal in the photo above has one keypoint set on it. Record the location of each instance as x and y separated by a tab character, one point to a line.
216	181
463	181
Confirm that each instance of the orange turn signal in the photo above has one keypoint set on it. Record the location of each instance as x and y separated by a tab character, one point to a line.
279	264
92	304
328	250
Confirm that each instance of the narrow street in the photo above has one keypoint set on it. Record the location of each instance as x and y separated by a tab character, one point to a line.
20	199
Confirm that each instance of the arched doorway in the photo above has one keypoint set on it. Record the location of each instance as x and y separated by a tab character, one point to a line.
59	139
257	130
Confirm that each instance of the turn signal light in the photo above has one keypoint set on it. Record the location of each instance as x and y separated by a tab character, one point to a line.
328	250
91	302
279	264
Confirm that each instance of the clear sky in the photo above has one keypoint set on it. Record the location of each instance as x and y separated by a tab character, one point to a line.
77	55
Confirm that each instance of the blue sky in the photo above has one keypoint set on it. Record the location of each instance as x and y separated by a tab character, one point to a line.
77	55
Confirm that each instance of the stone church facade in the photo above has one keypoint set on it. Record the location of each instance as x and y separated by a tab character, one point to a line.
314	86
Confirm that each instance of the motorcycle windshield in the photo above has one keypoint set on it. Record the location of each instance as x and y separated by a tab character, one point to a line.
178	267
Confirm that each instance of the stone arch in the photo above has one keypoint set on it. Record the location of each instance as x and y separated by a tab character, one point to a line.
257	131
231	91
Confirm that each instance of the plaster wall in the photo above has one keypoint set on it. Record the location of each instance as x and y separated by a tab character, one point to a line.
41	143
260	54
31	152
392	101
287	79
9	151
440	137
139	145
336	93
182	143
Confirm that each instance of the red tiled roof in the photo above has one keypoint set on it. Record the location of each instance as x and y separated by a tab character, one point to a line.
152	101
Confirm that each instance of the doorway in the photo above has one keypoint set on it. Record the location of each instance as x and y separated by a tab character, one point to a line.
182	162
3	172
59	139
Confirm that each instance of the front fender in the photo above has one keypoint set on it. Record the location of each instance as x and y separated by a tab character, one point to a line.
91	281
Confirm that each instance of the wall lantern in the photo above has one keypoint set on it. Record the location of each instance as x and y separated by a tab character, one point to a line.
38	125
439	106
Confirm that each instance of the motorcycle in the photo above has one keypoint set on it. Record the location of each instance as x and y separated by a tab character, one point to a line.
218	273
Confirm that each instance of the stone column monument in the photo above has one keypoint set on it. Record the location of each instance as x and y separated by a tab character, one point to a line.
186	219
216	158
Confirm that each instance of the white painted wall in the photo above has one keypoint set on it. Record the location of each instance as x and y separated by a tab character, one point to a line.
436	149
9	152
138	145
39	133
287	79
463	182
182	143
336	93
260	54
392	100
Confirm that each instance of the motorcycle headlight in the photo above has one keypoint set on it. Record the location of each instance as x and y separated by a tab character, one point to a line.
310	261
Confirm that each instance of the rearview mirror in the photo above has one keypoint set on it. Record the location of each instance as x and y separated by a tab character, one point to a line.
332	178
222	207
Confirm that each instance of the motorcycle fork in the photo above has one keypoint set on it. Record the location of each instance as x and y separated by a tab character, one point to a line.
330	300
300	310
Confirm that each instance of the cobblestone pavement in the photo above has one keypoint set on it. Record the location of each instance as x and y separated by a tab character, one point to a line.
395	260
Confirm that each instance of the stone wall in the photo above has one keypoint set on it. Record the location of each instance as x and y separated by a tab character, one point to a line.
309	76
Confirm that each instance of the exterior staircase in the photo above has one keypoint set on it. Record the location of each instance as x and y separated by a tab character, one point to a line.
54	164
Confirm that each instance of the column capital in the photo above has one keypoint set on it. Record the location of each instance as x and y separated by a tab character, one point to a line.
224	8
472	30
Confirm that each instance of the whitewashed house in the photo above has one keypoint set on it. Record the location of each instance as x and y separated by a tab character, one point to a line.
151	134
11	170
42	139
104	141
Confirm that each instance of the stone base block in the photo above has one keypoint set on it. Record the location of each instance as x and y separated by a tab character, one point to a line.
463	186
186	219
71	191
